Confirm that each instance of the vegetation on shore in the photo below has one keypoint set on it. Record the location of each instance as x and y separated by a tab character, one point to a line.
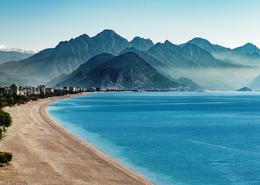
6	119
11	100
5	158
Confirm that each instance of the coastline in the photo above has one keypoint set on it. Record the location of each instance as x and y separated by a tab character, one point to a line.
46	153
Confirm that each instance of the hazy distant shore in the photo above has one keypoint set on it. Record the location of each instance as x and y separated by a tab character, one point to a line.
46	153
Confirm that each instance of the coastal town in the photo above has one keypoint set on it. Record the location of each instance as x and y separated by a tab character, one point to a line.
42	90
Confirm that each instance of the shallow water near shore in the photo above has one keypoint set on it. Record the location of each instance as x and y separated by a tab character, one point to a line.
172	138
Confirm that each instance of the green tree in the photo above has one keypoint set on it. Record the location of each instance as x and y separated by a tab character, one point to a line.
5	157
5	119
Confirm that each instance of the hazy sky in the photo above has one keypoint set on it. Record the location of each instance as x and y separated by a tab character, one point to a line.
38	24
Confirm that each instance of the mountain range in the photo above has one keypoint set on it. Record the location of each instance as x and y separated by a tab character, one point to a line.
7	56
13	54
191	61
248	54
126	71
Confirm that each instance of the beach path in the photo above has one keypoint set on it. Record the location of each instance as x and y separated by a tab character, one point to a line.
45	153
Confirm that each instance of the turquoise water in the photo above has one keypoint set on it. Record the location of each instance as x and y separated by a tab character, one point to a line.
172	138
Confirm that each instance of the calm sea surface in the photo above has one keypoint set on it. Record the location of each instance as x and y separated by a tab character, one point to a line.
172	138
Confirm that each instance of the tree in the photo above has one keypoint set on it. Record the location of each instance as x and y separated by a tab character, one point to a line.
5	119
5	157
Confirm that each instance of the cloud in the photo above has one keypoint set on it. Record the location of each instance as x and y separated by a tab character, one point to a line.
5	48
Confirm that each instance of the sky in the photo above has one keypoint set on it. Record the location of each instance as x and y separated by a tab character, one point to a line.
40	24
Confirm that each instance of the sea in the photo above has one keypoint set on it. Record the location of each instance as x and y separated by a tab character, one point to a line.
177	138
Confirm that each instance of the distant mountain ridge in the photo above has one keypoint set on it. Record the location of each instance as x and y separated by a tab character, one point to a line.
248	54
188	55
7	56
141	43
67	56
13	54
206	45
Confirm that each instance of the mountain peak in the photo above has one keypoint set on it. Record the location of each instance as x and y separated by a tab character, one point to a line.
83	36
110	41
137	38
107	32
141	43
199	40
126	71
164	47
167	42
248	48
206	45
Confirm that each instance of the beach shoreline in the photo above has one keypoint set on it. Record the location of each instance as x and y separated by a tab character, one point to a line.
46	153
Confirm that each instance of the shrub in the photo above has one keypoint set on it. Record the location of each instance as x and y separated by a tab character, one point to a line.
5	157
5	119
1	133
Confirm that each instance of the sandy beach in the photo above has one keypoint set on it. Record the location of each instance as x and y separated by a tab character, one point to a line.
45	153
